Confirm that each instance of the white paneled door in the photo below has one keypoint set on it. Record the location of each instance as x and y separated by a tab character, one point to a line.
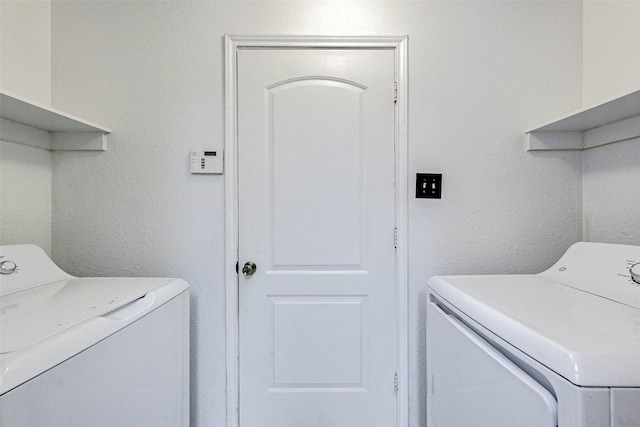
316	215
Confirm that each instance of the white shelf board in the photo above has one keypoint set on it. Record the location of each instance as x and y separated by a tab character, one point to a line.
32	114
613	121
67	131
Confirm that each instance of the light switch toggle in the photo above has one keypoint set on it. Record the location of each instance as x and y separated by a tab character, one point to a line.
429	186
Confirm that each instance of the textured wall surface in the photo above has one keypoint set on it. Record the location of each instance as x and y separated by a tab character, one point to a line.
25	195
25	48
611	207
611	49
25	172
480	74
611	173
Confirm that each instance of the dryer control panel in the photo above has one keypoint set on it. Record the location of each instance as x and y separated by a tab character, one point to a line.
608	270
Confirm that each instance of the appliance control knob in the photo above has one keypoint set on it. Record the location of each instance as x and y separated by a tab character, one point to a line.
7	267
635	272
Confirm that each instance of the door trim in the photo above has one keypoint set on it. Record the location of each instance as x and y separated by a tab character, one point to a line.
232	44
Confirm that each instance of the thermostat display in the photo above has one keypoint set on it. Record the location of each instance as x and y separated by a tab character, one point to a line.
207	162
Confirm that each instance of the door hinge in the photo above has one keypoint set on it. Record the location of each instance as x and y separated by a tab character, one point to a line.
395	383
237	267
395	238
395	92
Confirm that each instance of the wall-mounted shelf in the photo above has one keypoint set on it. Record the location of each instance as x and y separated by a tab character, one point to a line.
51	129
613	121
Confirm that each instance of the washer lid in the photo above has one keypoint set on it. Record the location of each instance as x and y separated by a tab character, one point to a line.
587	339
38	313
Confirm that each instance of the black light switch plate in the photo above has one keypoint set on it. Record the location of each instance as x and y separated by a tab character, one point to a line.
428	185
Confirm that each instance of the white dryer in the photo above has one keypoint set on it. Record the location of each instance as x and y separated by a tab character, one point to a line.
559	348
90	351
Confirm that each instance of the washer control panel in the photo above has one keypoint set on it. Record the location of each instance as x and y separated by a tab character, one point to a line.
25	267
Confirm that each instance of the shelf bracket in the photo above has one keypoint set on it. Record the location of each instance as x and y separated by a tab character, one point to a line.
612	121
29	123
581	140
614	132
78	141
535	141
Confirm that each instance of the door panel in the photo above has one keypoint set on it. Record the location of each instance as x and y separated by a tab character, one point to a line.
316	210
301	323
316	150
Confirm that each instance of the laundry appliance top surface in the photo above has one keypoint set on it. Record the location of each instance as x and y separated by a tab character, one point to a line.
47	315
580	318
39	313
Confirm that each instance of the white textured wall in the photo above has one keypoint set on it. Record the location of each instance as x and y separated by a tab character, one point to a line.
25	172
25	49
612	172
611	208
25	195
611	49
480	73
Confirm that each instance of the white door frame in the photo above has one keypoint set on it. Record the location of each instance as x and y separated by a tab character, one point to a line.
232	45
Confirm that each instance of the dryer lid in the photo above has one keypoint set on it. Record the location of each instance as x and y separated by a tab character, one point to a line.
577	327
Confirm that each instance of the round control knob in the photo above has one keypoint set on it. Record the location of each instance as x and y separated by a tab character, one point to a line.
7	267
635	272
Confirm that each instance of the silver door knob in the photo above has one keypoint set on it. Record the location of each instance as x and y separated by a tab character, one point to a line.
249	268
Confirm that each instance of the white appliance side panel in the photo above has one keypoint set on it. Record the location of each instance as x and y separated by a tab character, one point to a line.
469	383
137	377
625	407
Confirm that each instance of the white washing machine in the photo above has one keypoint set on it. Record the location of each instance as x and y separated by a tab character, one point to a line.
559	348
78	352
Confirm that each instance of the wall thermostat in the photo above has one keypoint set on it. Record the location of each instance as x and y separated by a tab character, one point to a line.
207	161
